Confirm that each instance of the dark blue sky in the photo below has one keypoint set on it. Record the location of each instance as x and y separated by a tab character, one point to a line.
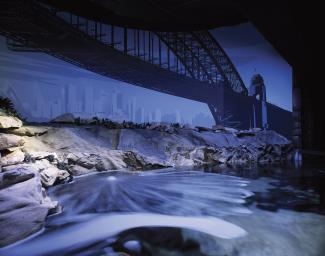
29	73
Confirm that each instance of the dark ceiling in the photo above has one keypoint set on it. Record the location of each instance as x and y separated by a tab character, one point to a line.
163	15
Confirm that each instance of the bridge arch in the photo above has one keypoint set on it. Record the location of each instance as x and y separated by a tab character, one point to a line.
200	56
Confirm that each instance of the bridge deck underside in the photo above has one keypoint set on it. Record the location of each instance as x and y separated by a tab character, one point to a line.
55	37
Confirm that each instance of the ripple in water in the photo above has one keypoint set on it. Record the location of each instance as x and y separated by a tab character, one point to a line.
103	205
183	193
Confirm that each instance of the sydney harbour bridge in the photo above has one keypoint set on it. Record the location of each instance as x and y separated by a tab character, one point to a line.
177	59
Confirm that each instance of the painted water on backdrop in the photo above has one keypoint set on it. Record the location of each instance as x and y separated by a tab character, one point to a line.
267	210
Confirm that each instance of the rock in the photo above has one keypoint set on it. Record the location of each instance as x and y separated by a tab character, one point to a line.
65	118
218	127
24	206
48	176
15	176
111	160
19	218
52	174
28	131
241	134
72	158
255	129
11	158
10	122
203	129
62	175
136	161
162	127
82	163
39	155
200	156
37	166
187	126
231	130
156	145
10	140
222	155
267	137
78	170
89	161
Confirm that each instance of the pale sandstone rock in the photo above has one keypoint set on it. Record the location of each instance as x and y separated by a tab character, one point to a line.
14	157
10	140
23	205
10	122
78	170
28	131
50	175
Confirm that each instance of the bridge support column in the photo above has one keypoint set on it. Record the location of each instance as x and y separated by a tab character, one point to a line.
296	112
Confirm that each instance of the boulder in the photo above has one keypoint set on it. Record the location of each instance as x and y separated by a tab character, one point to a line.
24	205
15	176
218	128
65	118
267	137
49	176
19	218
89	161
37	166
196	156
11	158
62	175
10	140
10	122
78	170
72	158
244	133
203	129
110	160
231	130
52	174
39	155
188	127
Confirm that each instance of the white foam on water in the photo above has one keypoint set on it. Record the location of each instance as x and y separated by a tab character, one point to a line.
111	178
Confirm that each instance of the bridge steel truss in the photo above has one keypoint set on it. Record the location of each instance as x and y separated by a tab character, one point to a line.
195	54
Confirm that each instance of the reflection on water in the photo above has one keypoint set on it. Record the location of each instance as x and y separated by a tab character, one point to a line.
219	211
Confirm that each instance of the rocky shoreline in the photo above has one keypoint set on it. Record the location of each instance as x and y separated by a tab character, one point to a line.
37	156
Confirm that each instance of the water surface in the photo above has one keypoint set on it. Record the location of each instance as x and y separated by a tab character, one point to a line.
244	210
